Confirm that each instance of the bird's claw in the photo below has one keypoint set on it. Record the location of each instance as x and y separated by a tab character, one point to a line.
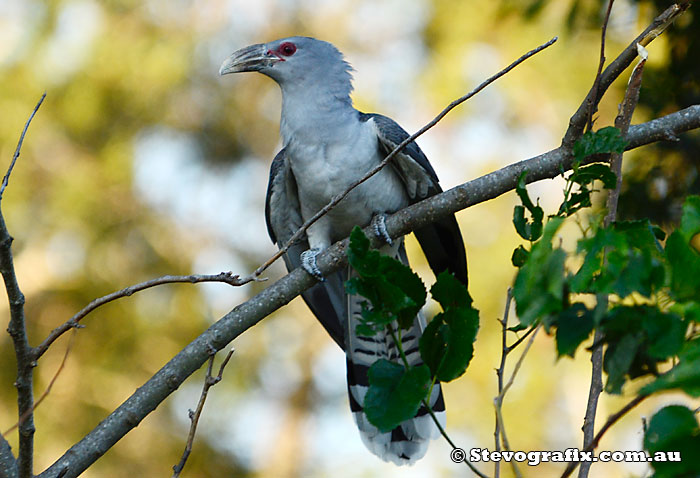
379	226
308	262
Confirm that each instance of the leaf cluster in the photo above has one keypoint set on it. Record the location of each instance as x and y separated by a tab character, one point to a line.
395	295
640	289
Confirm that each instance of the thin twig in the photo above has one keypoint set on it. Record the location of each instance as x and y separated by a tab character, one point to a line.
521	339
622	122
74	322
519	363
302	230
612	419
596	386
498	401
503	389
596	83
449	440
18	330
48	388
6	179
578	120
209	381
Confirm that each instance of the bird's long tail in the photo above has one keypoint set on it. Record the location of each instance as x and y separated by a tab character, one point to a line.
409	441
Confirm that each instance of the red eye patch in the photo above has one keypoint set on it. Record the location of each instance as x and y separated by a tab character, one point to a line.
287	49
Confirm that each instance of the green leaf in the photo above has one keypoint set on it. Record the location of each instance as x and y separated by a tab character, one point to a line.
618	360
528	230
393	290
519	257
633	261
574	325
689	310
408	287
638	338
358	249
448	291
576	202
690	220
585	175
684	265
518	327
605	140
685	375
674	429
446	345
394	394
521	190
539	284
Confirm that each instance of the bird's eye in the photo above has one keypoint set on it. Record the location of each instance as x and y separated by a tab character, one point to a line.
287	48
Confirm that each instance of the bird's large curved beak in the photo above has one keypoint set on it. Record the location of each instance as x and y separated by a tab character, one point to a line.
251	58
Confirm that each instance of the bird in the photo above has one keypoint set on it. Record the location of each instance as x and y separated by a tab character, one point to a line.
328	144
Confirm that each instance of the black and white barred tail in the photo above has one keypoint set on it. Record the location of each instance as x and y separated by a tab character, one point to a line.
408	442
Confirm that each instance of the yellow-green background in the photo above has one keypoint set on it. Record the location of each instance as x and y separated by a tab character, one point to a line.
143	162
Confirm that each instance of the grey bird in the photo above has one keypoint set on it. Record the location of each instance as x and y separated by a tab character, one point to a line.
328	144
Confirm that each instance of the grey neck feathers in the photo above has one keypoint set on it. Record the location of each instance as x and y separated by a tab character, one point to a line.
317	108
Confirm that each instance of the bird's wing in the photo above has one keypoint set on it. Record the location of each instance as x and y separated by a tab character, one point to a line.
441	241
283	217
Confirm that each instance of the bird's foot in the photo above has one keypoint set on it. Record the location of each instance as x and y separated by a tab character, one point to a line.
379	227
308	262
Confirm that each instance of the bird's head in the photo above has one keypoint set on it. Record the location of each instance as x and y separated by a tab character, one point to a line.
292	61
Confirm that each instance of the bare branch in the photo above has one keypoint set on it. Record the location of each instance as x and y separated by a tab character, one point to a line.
302	230
500	371
6	179
146	398
74	322
503	389
18	330
209	381
612	419
615	69
593	103
622	122
48	388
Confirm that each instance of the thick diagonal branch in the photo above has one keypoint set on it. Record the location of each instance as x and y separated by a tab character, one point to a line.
244	316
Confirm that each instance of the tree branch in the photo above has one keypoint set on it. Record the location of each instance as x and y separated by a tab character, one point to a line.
241	318
18	330
612	419
48	388
74	322
209	381
6	178
615	69
622	122
592	105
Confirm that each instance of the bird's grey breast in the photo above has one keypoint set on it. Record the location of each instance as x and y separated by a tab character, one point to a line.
326	160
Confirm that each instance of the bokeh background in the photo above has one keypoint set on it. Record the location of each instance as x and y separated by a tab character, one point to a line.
144	162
